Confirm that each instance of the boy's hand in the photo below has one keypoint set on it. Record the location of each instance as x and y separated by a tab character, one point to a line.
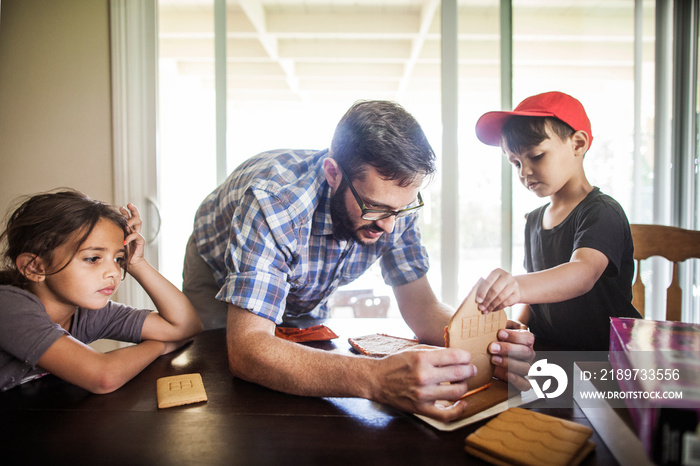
497	291
134	240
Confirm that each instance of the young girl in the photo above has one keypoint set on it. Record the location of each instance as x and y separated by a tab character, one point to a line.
66	255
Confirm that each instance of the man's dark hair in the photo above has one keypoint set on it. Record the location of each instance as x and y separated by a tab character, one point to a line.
521	133
384	135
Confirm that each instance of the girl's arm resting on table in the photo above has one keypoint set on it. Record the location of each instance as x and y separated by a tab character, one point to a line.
81	365
176	319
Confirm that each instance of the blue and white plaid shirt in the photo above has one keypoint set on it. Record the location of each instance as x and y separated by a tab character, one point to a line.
267	234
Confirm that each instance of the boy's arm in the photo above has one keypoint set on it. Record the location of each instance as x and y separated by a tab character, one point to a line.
566	281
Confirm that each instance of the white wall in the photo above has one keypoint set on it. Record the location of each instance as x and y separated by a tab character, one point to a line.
55	98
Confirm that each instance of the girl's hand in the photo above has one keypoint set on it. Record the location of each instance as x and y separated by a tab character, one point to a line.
134	239
171	346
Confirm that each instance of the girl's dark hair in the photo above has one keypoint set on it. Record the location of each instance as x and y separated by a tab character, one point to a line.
384	135
44	222
521	133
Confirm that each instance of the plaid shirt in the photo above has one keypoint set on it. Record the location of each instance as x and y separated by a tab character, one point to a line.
267	234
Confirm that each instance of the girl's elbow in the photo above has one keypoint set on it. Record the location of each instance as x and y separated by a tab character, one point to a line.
183	330
193	327
197	327
189	331
104	383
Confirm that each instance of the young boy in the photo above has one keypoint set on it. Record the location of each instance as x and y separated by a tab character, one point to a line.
578	247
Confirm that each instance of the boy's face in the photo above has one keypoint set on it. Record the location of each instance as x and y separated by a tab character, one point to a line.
548	167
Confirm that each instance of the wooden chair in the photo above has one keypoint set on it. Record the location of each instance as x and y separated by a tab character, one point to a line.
674	244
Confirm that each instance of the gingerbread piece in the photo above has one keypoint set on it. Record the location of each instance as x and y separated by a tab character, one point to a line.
380	345
523	437
472	331
180	390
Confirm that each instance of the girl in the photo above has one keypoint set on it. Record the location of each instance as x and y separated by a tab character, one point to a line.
66	255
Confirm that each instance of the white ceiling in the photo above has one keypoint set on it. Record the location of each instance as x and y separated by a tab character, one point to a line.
318	49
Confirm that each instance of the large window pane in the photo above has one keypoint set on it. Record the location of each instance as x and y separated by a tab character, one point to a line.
479	165
586	49
293	69
187	129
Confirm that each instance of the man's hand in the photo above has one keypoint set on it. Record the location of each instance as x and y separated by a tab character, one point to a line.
512	355
413	380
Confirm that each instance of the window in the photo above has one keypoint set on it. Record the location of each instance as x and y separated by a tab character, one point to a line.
293	68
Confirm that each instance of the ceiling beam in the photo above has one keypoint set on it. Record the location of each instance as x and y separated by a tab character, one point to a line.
427	15
256	14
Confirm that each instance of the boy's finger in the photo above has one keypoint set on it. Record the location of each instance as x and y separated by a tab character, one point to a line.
481	288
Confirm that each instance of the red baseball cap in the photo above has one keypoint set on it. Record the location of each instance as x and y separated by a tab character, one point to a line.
549	104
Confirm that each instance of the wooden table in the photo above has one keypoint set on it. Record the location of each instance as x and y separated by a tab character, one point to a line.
53	422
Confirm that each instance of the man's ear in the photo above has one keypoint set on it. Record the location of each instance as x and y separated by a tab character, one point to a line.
333	175
31	266
581	142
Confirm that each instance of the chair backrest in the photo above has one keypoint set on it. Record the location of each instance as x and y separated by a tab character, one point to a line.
673	243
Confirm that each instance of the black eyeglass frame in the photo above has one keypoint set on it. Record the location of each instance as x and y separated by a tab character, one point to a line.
380	214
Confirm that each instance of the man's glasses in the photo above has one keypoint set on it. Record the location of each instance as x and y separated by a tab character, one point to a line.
379	214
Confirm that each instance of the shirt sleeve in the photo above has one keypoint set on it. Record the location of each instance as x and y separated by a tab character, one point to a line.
603	226
262	241
407	260
26	331
115	321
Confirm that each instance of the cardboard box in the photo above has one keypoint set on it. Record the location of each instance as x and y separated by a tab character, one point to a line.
657	366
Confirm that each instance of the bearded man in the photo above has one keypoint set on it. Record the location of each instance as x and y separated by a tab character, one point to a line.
288	227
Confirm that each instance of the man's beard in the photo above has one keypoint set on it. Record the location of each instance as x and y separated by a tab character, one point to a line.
343	228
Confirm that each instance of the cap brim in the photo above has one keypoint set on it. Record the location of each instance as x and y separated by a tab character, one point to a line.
490	126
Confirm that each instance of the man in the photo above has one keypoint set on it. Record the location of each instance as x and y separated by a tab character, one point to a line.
288	227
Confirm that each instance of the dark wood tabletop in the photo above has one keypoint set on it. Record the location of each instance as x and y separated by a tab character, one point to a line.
53	422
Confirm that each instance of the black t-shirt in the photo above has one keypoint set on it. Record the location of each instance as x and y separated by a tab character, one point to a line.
583	323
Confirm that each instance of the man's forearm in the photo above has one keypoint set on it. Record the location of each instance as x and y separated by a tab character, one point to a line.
301	370
257	355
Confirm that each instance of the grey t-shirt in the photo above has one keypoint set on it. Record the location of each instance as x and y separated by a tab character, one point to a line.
26	331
